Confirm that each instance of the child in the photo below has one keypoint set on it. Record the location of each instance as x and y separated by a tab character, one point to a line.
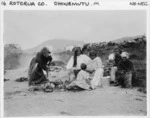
83	75
82	80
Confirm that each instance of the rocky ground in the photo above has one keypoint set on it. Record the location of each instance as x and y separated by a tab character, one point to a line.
108	101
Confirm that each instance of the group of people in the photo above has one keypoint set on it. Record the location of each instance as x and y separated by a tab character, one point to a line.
122	69
85	70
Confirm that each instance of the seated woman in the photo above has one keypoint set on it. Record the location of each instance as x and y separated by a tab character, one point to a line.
74	64
95	69
82	80
125	70
38	70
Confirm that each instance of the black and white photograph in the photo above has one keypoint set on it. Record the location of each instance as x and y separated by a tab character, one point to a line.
75	63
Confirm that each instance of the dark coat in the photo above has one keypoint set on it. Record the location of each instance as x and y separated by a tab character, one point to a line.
125	66
36	75
118	58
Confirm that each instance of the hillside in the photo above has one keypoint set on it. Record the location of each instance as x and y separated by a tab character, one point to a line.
55	44
128	39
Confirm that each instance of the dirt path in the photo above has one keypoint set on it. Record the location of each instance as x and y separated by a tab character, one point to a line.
18	101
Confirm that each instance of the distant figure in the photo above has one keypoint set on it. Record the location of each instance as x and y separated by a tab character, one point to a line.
38	70
74	64
125	70
82	80
114	59
95	69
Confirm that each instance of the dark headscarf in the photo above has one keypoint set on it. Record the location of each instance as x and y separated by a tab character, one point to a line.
75	56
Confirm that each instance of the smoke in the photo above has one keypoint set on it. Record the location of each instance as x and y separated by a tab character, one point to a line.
15	58
12	53
24	60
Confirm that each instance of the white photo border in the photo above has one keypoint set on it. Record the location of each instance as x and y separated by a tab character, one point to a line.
106	5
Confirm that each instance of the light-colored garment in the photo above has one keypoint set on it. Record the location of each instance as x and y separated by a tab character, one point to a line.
113	73
111	56
96	64
82	76
97	79
125	54
81	81
80	59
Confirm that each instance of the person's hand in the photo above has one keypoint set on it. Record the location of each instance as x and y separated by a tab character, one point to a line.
88	81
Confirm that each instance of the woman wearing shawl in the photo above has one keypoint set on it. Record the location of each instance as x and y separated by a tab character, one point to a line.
95	69
38	70
74	64
126	70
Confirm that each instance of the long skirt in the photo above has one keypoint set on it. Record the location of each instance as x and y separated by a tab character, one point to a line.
81	84
96	80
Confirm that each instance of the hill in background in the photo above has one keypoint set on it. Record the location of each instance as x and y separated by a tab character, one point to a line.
55	44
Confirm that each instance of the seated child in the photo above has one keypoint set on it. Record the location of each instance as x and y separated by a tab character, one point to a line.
82	80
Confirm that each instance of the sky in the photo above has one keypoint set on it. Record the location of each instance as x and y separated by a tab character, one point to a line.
30	28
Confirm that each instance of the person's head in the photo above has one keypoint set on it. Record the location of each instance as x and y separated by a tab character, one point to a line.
77	51
83	66
85	50
125	56
117	51
45	52
93	54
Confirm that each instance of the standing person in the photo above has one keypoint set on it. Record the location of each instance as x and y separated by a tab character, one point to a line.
114	58
95	69
74	64
126	70
38	70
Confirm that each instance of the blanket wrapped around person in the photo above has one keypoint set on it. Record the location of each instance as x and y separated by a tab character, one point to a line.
38	69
